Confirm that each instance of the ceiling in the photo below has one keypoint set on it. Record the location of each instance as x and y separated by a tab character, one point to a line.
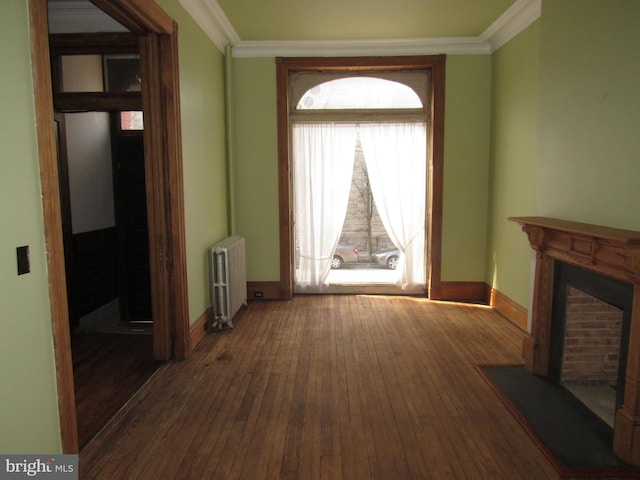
334	27
360	19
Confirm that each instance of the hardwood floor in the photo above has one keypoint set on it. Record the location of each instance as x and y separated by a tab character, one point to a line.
328	387
107	370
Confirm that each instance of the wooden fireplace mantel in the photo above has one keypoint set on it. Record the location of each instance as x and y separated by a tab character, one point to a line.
611	252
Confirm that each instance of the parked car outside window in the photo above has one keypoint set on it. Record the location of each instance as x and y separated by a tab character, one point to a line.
387	258
344	254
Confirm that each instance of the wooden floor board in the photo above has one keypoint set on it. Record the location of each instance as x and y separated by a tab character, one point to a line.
107	370
328	387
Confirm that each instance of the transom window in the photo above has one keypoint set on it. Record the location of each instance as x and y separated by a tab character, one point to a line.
359	93
401	95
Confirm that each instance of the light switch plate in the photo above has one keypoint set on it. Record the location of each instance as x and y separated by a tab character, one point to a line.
24	265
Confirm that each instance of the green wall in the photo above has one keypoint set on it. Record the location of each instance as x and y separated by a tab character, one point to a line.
514	136
256	165
467	119
588	166
28	399
203	150
466	167
564	128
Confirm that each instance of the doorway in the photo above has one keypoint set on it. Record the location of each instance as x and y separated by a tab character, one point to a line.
156	36
104	214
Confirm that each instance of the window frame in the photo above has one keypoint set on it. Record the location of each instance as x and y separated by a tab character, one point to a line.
302	82
433	114
103	44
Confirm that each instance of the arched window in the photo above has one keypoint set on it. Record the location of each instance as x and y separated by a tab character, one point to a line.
356	96
359	165
324	103
359	93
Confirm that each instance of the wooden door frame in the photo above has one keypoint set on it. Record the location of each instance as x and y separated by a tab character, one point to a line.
158	35
435	153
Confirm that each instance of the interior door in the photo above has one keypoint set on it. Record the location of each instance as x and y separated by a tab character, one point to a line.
131	223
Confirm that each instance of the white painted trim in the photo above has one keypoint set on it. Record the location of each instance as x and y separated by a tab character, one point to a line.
513	21
346	48
215	24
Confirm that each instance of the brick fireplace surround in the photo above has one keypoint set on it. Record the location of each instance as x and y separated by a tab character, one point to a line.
593	330
613	253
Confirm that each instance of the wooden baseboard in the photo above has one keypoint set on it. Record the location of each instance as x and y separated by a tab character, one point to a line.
481	292
263	290
198	329
255	291
460	291
455	291
513	311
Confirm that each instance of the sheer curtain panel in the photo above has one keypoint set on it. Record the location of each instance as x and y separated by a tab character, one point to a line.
323	155
396	159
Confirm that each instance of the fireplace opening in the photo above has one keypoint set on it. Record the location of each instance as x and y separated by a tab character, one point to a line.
591	317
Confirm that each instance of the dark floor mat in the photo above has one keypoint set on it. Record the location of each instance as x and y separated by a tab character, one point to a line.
575	439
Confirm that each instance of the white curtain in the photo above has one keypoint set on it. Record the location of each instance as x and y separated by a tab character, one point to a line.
396	159
323	155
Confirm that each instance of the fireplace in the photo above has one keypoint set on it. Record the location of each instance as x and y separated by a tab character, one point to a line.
581	266
590	320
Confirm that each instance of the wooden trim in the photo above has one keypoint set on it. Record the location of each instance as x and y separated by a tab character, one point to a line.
155	180
626	436
284	181
434	63
139	16
67	224
461	291
47	152
513	311
178	246
87	43
269	291
103	101
357	64
574	229
434	203
165	196
198	329
157	189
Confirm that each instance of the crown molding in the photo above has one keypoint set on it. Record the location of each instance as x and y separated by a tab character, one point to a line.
513	21
347	48
212	20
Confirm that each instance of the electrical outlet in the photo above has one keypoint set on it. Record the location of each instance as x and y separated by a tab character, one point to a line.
24	265
258	294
